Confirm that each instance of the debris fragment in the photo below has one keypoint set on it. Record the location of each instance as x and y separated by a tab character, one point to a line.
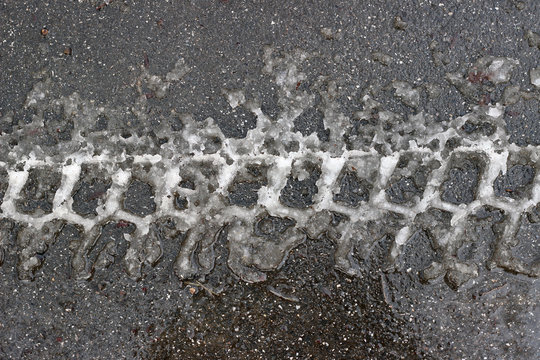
535	77
399	24
327	33
381	58
533	39
146	61
280	293
103	5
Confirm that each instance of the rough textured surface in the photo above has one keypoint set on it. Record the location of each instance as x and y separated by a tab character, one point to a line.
252	180
139	199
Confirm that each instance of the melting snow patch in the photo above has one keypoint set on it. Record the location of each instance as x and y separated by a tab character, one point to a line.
378	168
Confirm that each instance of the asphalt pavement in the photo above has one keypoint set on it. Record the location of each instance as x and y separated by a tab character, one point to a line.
226	179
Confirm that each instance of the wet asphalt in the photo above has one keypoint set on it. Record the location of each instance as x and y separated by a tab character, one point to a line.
307	309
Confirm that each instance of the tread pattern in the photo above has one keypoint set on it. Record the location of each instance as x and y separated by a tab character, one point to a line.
375	174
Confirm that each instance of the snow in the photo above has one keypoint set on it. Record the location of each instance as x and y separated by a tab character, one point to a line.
266	145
